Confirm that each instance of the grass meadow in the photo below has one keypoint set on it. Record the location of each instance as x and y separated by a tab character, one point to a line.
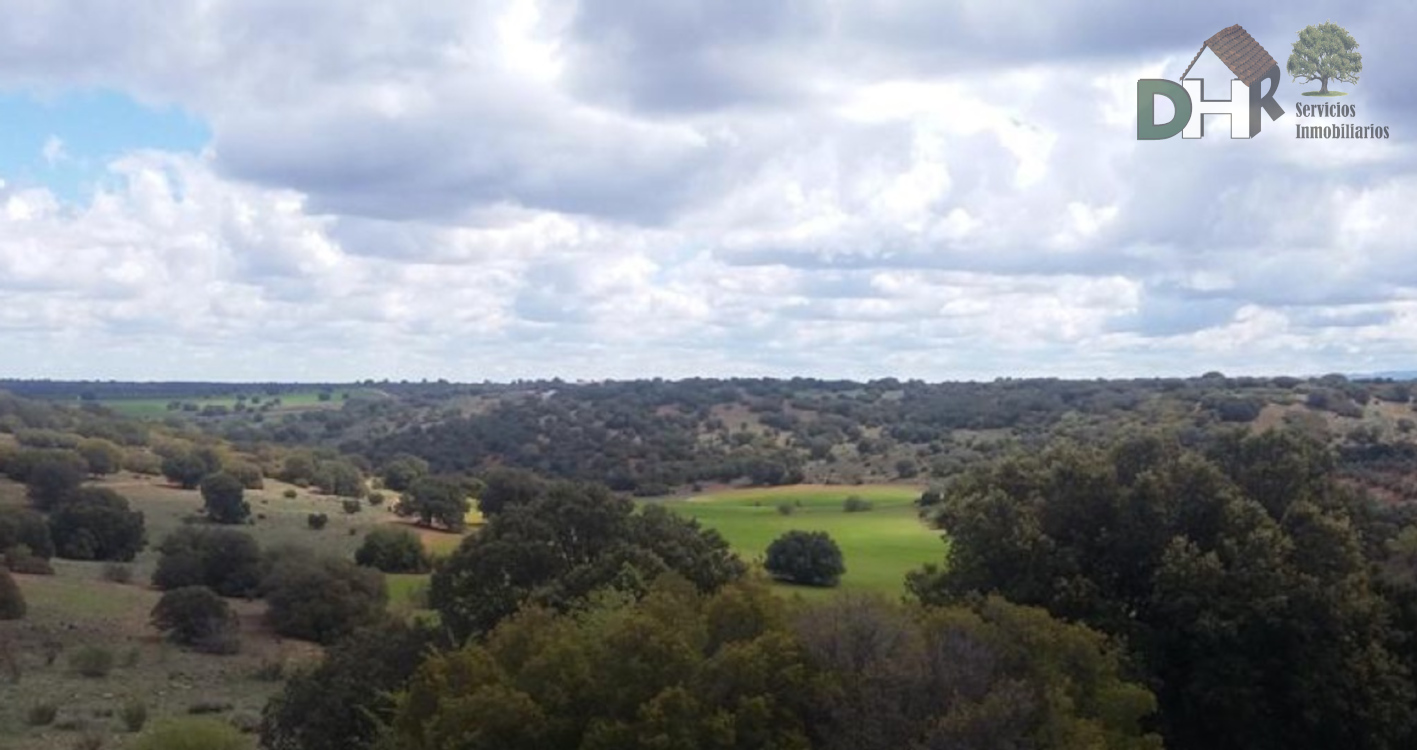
76	608
879	546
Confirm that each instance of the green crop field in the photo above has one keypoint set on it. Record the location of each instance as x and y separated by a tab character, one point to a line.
151	408
880	545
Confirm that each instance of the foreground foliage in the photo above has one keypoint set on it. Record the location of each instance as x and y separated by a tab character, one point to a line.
739	669
1238	579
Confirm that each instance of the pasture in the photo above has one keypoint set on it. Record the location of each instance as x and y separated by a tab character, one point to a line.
880	545
77	607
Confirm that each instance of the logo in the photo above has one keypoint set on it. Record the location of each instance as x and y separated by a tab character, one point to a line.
1324	53
1253	67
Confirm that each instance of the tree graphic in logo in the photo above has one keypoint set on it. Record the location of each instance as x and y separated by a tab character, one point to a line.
1323	53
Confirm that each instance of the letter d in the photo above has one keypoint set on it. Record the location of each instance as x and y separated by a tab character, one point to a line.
1147	91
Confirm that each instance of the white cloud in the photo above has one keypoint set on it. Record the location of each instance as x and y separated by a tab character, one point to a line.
522	188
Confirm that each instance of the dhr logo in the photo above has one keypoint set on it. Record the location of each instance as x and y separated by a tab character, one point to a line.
1251	65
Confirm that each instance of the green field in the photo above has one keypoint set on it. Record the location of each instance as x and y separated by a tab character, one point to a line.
150	408
880	546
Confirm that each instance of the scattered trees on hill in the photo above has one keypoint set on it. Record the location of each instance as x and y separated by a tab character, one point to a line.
320	599
195	616
392	550
810	558
222	497
12	600
436	499
1238	582
96	524
573	540
224	560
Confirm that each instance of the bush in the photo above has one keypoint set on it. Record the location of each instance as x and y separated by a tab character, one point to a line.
92	661
185	470
320	599
317	521
142	462
12	600
226	561
807	557
392	550
195	616
53	477
376	498
41	714
97	524
118	573
26	528
786	509
857	504
20	560
249	475
223	499
290	494
351	506
102	456
192	734
135	715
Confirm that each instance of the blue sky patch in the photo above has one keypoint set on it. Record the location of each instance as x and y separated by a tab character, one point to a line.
64	142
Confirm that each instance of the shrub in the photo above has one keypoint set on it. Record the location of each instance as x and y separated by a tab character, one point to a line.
92	661
118	573
135	715
97	524
195	616
786	509
226	561
53	477
102	456
192	734
290	494
41	714
320	599
806	557
142	462
208	707
222	497
392	550
26	528
376	498
317	521
19	560
351	506
12	601
185	470
249	475
857	504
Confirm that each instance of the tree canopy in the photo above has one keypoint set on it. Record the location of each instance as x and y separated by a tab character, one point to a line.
740	669
1238	583
97	524
223	499
562	546
1326	52
811	558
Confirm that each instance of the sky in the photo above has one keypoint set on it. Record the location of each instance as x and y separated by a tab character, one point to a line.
500	189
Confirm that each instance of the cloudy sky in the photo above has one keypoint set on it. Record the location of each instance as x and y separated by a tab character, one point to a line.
490	189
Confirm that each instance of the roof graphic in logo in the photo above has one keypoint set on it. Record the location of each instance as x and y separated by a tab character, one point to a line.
1240	52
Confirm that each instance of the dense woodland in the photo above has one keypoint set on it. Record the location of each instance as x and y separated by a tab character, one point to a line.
1194	563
